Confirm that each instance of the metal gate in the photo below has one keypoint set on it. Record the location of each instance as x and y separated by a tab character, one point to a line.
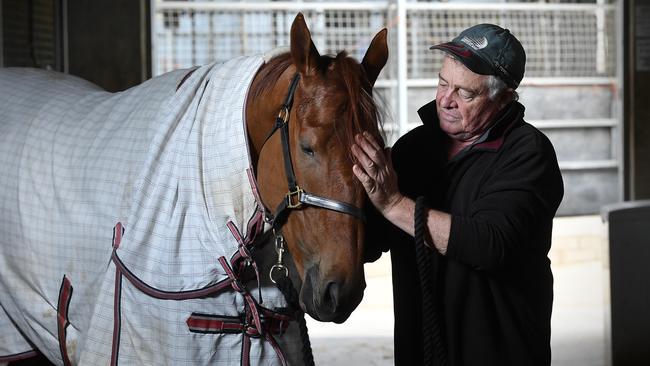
570	87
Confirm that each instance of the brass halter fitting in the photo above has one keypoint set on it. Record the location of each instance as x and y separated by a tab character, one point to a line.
284	114
293	198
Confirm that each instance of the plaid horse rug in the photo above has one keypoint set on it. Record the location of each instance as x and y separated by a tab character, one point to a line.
126	219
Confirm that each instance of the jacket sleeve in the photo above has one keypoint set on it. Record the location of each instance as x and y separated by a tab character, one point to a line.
513	214
417	164
378	231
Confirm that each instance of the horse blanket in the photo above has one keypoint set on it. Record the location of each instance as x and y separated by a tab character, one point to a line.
126	219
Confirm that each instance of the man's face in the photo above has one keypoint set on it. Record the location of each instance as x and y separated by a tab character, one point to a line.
464	107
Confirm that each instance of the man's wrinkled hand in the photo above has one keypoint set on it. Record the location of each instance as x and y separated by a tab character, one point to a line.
374	169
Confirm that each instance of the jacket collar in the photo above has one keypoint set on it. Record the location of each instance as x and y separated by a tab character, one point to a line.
490	140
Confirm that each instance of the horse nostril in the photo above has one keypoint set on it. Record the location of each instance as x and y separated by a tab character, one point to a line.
330	297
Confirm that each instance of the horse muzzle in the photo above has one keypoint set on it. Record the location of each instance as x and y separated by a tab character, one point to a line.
329	300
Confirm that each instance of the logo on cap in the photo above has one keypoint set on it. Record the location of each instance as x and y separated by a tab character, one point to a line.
476	43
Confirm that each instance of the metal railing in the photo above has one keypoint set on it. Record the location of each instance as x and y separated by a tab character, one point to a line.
566	43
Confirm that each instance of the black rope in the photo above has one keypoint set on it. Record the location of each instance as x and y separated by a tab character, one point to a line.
432	339
291	296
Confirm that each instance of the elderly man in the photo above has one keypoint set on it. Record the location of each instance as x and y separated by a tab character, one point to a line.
483	186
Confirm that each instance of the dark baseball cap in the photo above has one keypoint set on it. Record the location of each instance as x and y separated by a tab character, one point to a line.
488	49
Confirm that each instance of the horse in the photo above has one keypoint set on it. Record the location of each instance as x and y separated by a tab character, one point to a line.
147	226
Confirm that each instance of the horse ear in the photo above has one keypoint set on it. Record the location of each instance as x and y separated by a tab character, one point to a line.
376	56
303	52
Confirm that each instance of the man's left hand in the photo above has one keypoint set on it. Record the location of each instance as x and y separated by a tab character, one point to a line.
374	169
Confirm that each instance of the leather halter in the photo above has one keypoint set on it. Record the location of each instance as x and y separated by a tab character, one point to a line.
296	196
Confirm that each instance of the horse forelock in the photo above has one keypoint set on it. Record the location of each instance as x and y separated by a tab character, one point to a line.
361	113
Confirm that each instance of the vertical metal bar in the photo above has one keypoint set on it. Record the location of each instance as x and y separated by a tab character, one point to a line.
601	62
2	49
65	39
193	35
402	54
625	171
211	38
154	39
172	35
143	41
243	34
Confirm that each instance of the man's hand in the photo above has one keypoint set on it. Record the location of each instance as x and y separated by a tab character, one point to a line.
374	169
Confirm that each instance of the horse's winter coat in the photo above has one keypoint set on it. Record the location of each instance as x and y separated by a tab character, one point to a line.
115	211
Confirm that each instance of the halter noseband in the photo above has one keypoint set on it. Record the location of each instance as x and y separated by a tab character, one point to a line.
296	196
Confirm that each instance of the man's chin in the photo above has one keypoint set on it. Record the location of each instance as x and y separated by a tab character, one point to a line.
451	127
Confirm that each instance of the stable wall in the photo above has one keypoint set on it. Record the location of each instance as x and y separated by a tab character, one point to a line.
109	42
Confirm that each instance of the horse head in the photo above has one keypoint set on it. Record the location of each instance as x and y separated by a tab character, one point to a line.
332	102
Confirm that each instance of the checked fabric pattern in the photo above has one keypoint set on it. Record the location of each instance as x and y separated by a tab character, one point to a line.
151	176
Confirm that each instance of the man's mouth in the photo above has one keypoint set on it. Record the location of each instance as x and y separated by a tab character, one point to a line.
449	116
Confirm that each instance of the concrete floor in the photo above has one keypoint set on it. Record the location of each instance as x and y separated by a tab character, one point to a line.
578	321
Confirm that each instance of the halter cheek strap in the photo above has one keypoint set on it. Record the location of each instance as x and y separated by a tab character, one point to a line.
296	196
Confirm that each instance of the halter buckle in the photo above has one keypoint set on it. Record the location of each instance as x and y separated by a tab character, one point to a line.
293	198
284	114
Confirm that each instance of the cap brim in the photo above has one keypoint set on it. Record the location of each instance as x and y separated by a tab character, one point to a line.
467	56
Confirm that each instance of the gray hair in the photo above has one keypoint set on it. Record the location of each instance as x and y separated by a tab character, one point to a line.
495	85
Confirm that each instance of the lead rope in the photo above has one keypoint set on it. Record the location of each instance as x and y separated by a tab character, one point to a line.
433	346
285	286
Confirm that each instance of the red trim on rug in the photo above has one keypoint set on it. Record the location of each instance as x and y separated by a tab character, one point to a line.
278	351
239	287
255	227
187	76
167	295
118	231
235	232
246	351
19	356
117	317
208	323
65	295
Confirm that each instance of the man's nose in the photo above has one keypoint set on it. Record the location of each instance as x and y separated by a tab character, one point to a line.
447	98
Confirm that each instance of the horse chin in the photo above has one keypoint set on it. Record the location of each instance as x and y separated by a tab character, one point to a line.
328	301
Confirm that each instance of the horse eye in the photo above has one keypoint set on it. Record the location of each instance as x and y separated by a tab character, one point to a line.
307	150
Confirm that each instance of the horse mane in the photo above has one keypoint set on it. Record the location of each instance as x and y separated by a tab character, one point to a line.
360	109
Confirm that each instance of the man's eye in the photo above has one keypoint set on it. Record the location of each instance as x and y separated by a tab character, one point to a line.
466	95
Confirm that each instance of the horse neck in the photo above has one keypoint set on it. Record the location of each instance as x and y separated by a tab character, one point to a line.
262	110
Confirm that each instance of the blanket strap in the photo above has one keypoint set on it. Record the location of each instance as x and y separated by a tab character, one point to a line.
65	295
253	326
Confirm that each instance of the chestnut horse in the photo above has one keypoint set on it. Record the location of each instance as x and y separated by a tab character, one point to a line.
333	101
132	221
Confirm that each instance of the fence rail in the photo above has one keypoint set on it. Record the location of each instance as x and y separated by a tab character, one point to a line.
567	44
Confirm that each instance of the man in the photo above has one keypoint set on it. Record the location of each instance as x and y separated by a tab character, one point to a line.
487	186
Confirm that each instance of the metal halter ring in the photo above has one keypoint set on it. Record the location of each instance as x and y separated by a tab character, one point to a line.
279	265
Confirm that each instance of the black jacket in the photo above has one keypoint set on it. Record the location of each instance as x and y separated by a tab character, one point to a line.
494	287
